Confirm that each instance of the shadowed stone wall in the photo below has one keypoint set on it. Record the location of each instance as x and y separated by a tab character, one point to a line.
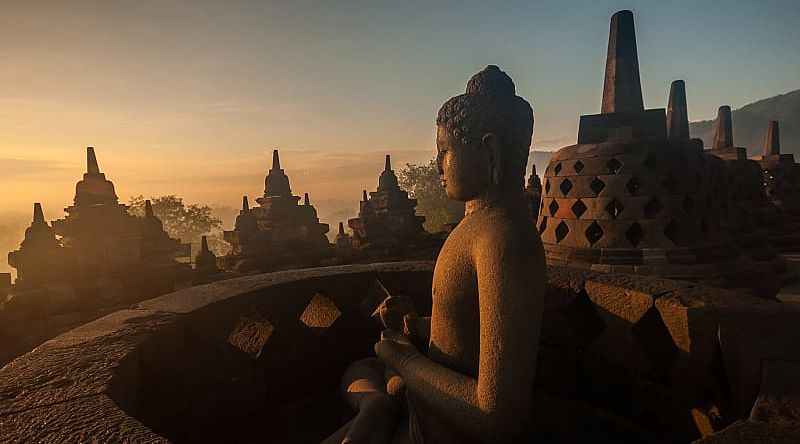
260	357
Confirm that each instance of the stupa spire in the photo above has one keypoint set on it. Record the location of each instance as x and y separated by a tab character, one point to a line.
245	204
204	244
306	202
622	89
91	162
341	229
388	165
723	128
276	183
276	161
677	113
38	214
363	195
772	141
148	208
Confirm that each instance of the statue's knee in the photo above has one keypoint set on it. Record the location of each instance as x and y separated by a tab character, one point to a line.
362	378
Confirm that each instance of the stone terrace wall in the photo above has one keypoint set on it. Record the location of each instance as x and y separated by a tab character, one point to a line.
649	358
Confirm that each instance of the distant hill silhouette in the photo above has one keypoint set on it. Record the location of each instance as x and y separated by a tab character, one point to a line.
750	124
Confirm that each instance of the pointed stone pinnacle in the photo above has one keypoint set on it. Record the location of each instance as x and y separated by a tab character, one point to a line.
245	204
364	195
91	161
38	214
204	244
276	161
305	199
622	89
533	169
388	165
341	229
148	208
772	140
677	113
723	129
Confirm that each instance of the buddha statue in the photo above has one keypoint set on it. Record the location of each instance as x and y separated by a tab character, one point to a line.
474	382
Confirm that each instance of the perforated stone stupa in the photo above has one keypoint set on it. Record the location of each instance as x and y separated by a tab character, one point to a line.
748	215
781	175
386	218
279	233
628	198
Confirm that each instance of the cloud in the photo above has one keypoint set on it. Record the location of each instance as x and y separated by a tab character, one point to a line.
13	168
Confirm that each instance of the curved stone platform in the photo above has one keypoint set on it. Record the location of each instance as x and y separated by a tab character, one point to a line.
258	359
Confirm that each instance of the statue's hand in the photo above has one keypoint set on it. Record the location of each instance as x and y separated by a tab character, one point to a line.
395	349
393	309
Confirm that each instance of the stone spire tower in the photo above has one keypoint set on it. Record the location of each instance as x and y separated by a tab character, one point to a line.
278	233
622	90
772	141
276	182
723	137
533	192
104	240
40	258
677	113
94	188
781	175
205	262
387	219
723	129
628	198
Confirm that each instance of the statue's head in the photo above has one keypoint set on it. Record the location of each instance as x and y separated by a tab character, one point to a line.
483	137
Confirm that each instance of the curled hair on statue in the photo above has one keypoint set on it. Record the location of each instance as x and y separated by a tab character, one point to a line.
491	106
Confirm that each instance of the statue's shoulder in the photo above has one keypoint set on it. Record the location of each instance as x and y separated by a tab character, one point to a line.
502	228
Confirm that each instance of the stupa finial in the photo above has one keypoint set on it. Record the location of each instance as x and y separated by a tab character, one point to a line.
622	89
772	140
148	208
91	161
677	113
388	165
276	161
723	128
245	204
38	214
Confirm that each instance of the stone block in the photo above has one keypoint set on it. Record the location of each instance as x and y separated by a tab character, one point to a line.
746	341
778	399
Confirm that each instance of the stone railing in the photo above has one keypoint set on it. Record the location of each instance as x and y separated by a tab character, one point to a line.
261	356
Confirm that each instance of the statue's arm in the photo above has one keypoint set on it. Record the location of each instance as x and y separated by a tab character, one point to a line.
495	406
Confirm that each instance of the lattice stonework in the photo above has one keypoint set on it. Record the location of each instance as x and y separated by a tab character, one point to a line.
320	313
647	203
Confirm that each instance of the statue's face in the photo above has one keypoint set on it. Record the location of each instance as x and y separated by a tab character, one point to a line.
463	169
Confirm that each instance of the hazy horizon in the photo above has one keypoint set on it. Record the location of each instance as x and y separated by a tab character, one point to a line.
191	97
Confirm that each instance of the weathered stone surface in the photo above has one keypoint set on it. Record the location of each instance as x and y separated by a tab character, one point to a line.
190	299
692	315
90	419
79	363
778	399
251	332
320	313
746	341
753	432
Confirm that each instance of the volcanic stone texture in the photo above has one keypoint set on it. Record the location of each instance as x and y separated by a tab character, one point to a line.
647	206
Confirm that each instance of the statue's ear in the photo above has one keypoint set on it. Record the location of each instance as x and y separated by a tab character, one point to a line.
491	143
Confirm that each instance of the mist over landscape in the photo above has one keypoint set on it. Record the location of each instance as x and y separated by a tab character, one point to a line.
334	180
